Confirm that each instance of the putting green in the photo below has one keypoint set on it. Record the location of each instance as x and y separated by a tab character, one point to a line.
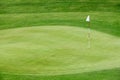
55	50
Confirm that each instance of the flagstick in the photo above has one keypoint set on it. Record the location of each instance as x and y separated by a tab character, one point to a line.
89	36
89	33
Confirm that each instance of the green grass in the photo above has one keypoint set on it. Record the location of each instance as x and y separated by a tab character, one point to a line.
37	6
19	36
56	50
112	74
108	22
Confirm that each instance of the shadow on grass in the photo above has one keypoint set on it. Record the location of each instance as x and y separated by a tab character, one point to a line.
1	78
113	74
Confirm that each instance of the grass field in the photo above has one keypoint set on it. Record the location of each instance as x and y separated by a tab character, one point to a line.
47	40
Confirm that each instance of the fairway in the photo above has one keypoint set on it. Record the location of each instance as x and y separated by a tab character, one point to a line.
56	50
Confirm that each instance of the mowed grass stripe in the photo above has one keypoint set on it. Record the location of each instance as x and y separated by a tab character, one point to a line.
103	74
58	6
108	22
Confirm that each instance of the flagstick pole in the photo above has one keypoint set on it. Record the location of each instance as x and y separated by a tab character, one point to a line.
89	31
89	36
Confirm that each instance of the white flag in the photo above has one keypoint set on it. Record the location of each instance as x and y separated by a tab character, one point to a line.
88	18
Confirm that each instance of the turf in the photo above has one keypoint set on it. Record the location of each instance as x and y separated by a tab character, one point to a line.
108	22
40	6
56	50
63	14
112	74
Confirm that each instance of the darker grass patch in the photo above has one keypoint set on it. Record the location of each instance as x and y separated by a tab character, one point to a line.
56	6
112	74
1	76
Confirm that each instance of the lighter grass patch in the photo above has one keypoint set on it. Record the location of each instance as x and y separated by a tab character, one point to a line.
54	50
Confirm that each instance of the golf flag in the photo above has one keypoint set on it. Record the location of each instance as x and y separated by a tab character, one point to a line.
89	31
88	18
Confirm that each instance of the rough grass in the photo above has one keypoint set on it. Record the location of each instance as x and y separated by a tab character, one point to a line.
112	74
108	22
38	6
